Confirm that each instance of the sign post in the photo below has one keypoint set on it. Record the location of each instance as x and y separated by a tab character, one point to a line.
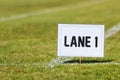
80	40
80	60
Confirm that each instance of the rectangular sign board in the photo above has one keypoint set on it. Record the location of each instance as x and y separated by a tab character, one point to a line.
80	40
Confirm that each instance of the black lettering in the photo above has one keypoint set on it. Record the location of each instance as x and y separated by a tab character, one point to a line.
65	41
87	41
81	41
73	41
96	42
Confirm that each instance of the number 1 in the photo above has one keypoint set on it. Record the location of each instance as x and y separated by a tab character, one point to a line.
96	42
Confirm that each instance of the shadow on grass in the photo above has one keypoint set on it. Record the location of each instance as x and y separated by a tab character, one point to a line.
87	61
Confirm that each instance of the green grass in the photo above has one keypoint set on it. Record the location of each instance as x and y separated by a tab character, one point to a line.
27	45
12	7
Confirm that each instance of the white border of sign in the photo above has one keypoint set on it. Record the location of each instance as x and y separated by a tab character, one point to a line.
80	30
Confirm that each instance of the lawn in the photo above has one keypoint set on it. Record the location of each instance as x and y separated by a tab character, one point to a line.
28	44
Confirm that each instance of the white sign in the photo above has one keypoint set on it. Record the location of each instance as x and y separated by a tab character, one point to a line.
79	40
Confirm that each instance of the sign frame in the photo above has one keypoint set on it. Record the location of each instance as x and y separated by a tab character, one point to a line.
82	32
